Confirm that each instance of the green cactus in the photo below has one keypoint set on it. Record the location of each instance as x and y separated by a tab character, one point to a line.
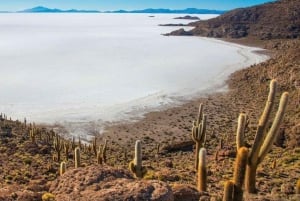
228	191
77	157
298	187
198	133
202	171
264	140
62	169
135	166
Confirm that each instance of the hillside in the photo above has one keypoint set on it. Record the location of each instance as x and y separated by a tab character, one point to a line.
276	20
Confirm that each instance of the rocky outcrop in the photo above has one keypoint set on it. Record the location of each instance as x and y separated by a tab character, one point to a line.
107	183
187	17
275	20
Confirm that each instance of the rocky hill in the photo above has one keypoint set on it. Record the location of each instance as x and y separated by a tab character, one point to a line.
275	20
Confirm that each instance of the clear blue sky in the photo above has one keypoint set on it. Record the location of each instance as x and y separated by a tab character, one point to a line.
15	5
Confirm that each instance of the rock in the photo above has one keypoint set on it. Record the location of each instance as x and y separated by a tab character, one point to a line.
107	183
287	189
179	32
185	192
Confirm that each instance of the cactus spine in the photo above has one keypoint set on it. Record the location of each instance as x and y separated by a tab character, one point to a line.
135	166
202	171
62	169
198	133
263	141
77	157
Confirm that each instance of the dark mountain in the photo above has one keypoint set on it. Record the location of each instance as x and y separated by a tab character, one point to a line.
276	20
162	10
41	9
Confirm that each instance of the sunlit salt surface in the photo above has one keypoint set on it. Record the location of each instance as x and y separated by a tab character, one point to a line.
81	70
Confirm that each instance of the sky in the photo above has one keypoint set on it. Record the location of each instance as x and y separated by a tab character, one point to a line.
104	5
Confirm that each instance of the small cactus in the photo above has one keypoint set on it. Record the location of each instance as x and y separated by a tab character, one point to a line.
77	157
135	166
62	169
202	171
198	133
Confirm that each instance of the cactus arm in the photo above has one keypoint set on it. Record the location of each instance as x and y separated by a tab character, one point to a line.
200	114
240	131
194	133
260	133
240	166
228	191
273	132
202	133
269	104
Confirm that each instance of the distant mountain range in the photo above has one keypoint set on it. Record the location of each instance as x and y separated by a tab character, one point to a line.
41	9
162	10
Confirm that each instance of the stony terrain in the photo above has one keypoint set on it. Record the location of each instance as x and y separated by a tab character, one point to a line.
30	155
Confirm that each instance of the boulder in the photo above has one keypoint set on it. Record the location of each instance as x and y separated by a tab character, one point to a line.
105	183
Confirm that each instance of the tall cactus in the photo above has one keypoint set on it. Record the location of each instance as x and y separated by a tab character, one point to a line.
77	157
135	166
104	148
202	171
263	140
57	146
198	133
94	145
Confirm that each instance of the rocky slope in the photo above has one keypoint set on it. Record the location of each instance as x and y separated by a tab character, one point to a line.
280	19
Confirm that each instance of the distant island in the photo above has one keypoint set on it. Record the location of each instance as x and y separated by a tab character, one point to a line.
41	9
187	17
